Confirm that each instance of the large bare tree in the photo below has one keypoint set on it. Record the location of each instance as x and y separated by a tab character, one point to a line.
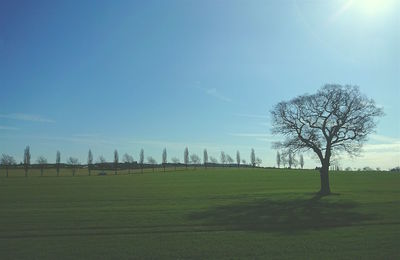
335	119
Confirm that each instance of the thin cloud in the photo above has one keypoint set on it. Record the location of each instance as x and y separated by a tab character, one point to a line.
2	127
258	136
394	147
385	139
27	117
214	93
250	134
252	115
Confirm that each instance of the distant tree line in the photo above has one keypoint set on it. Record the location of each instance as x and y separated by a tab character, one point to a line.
285	159
128	162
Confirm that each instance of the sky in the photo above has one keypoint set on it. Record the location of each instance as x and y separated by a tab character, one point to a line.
127	75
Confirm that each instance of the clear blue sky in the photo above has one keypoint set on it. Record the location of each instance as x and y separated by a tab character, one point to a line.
128	75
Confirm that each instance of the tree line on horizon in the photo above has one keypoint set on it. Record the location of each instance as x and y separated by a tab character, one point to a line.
7	161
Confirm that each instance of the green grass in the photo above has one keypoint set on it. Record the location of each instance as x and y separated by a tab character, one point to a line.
214	213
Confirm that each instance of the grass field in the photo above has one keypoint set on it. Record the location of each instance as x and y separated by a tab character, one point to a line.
214	213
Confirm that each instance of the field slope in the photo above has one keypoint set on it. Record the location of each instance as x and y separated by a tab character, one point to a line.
214	213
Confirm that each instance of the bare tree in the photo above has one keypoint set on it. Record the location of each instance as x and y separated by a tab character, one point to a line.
41	161
335	119
7	161
101	160
152	162
116	161
229	159
175	161
128	159
290	160
58	161
73	163
223	157
295	162
186	157
205	158
258	161
90	161
27	160
253	158
141	159
278	159
238	158
213	160
301	161
195	160
164	158
284	159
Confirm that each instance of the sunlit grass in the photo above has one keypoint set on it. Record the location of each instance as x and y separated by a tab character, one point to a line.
213	213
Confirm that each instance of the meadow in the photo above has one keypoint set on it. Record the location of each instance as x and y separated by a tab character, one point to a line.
207	214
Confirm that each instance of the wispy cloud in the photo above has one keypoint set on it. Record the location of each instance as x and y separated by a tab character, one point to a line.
87	135
252	115
2	127
385	139
214	93
258	136
27	117
251	134
384	144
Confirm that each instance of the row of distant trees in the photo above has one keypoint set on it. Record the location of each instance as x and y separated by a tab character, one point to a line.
8	161
290	159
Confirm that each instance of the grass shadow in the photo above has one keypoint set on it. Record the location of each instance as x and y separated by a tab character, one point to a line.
283	215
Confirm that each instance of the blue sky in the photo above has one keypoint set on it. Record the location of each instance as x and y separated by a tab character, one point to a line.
128	75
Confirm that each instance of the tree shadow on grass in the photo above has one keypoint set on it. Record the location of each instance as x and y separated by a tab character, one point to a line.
292	215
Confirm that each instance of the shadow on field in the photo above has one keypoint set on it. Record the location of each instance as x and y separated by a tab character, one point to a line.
283	215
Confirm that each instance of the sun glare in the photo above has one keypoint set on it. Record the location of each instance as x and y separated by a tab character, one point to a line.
373	7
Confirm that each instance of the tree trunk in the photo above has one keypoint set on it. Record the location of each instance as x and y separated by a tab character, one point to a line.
41	172
324	174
